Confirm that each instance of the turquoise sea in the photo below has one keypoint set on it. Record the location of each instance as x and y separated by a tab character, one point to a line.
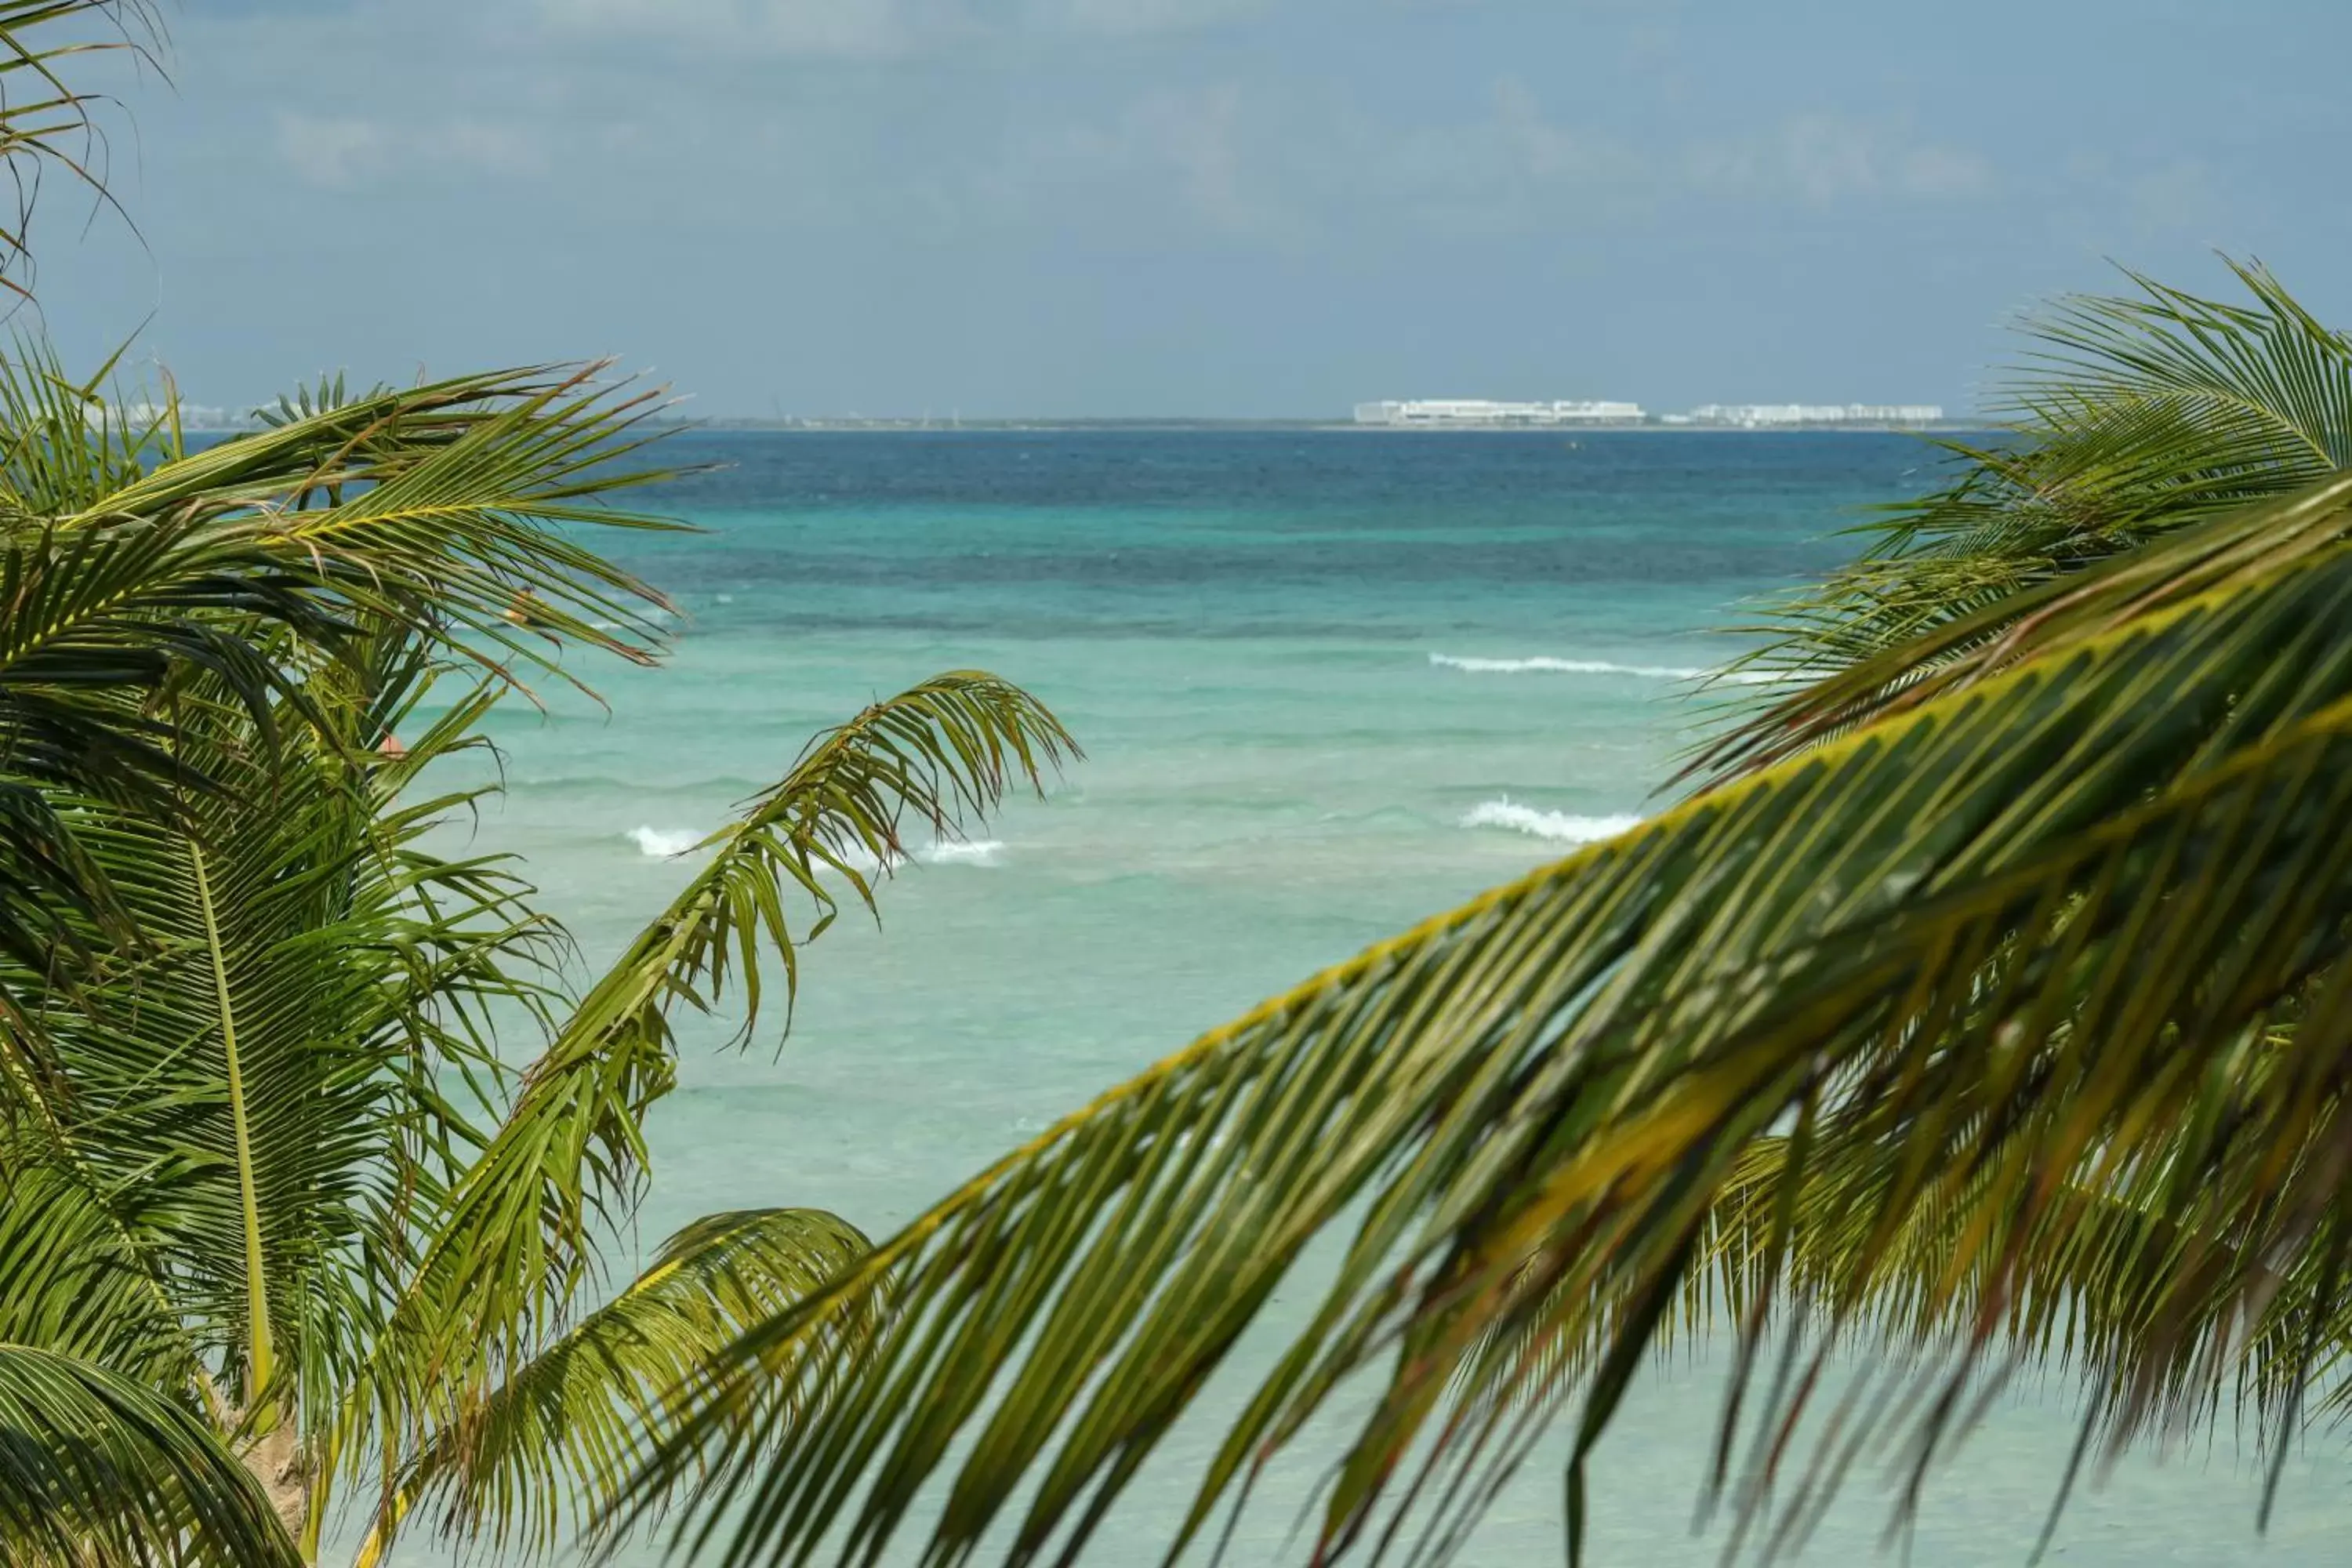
1328	683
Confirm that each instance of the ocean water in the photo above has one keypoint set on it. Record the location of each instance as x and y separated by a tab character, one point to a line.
1328	684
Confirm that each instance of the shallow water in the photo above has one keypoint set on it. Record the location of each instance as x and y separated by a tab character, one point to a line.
1328	684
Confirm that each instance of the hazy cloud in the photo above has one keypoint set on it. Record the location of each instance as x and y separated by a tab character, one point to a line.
850	29
877	29
326	150
342	151
1136	15
1517	165
2180	196
1820	160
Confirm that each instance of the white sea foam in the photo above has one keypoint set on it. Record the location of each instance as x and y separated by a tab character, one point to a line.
964	852
1545	665
947	852
1559	826
661	843
864	861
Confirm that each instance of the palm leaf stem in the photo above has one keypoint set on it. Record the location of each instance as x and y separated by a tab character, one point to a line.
260	1366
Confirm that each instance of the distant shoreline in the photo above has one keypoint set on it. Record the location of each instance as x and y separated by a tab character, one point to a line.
1234	426
1291	426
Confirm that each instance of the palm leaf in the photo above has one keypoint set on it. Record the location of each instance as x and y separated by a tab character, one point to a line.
1541	1097
2130	417
261	1067
46	122
447	509
563	1428
80	1270
519	1232
94	1467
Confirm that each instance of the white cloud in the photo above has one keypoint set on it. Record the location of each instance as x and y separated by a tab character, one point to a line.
1547	152
1134	16
1286	169
1932	172
328	151
874	29
485	145
835	29
344	151
1201	138
1825	159
2179	197
1202	153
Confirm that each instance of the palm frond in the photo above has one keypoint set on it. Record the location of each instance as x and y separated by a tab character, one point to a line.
1800	1227
1541	1097
1972	644
264	1060
68	441
2130	417
547	1450
80	1269
46	122
519	1231
98	1468
448	510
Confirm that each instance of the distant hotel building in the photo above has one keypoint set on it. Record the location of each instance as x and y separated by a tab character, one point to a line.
1464	412
1753	416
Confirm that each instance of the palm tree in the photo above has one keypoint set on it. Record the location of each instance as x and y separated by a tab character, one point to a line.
279	1221
1987	1006
267	1186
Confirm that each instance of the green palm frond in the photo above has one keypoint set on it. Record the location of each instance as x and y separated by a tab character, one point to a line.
264	1062
448	510
1969	645
546	1450
99	1469
81	1272
67	442
445	506
519	1232
1540	1098
2131	417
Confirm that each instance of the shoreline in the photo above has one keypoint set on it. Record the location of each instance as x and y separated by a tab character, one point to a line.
1287	426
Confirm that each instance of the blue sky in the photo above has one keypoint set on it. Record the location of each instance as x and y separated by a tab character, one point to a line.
1238	207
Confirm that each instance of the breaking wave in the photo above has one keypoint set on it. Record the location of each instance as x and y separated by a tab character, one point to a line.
1545	665
1557	827
963	852
661	843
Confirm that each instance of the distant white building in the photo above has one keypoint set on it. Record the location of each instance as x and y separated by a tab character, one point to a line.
1461	412
1753	416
